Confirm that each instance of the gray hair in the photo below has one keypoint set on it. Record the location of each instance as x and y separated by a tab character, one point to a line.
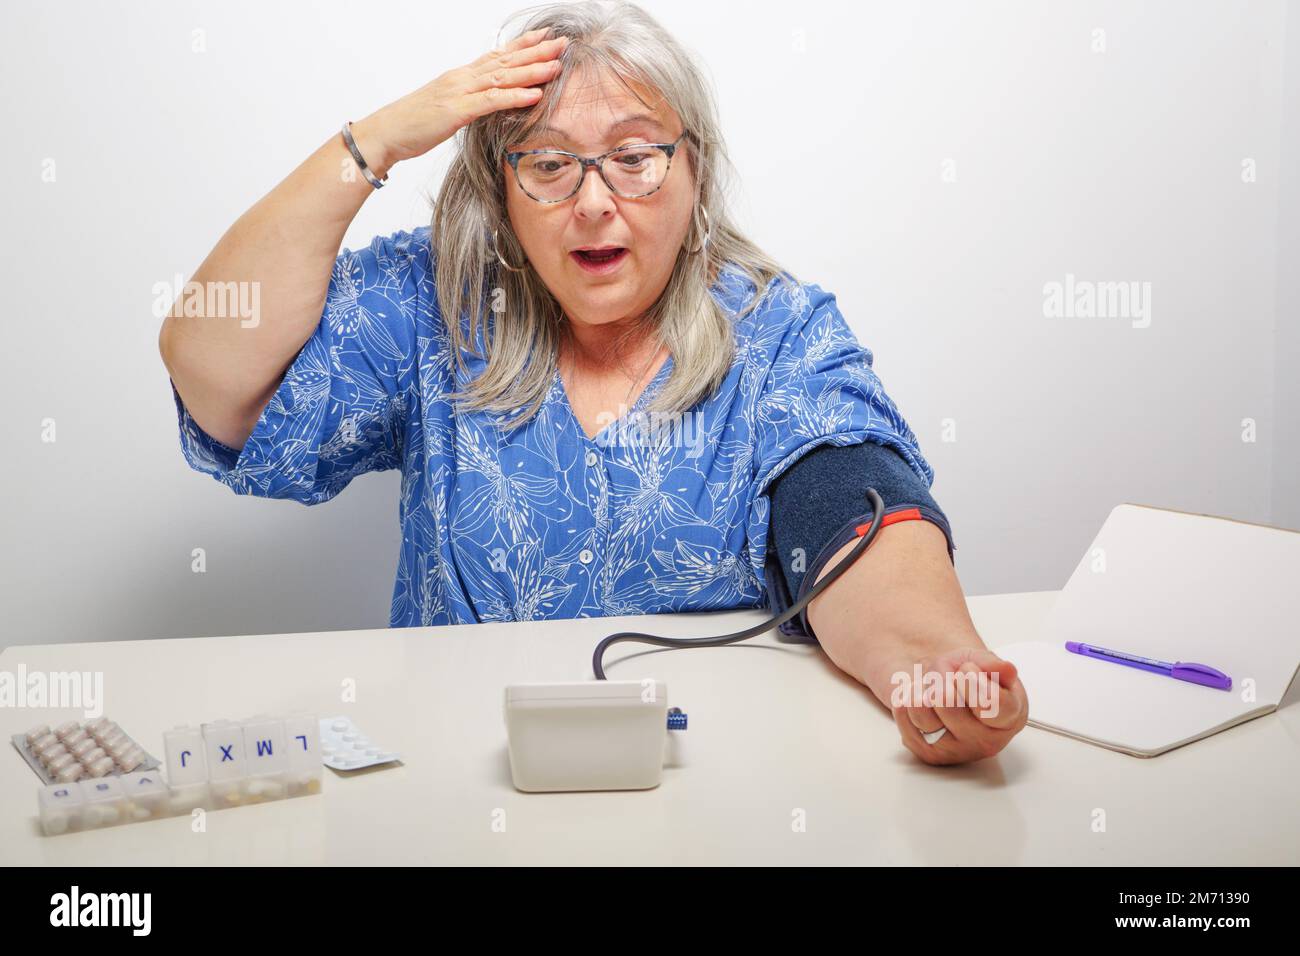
521	348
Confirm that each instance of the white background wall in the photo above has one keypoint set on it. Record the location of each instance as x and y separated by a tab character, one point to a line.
842	118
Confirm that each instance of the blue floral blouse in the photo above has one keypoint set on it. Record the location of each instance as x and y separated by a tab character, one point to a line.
649	516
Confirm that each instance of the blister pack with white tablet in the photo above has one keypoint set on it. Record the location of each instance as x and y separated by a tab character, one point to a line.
344	747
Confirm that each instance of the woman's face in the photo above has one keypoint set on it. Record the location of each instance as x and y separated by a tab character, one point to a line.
596	114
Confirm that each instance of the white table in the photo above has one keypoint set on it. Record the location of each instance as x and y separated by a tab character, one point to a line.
776	731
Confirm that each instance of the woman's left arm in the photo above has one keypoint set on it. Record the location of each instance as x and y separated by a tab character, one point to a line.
898	606
824	432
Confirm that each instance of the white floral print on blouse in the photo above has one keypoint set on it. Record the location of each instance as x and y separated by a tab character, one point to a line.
649	516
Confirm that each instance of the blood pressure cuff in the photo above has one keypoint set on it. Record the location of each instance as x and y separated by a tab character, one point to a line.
820	504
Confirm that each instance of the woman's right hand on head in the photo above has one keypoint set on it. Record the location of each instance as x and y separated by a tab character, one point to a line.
508	77
287	243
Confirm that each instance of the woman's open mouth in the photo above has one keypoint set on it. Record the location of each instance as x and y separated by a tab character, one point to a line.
599	261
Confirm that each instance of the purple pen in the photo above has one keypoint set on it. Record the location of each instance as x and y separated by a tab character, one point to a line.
1181	670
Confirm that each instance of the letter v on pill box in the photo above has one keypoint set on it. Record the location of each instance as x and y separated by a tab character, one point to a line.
344	747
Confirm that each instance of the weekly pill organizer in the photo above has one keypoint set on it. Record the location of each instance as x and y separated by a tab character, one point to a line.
97	776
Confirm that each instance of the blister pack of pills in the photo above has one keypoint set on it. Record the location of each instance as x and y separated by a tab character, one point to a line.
344	747
73	751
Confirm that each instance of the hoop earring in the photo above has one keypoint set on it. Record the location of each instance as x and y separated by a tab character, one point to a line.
500	258
708	231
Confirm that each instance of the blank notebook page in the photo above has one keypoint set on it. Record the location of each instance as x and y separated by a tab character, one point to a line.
1175	587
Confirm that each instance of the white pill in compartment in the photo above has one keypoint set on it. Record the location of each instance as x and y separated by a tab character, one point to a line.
104	801
60	808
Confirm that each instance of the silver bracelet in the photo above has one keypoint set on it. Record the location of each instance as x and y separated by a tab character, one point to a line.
360	160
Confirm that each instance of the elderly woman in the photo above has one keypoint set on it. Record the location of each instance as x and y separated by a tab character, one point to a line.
604	398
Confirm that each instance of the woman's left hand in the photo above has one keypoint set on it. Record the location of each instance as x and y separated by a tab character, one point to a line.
982	705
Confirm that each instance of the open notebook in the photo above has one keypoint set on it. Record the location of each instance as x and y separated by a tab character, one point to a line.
1176	587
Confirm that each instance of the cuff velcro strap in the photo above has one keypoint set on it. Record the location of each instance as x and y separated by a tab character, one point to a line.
909	514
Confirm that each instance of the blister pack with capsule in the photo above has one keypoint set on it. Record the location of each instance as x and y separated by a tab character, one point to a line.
72	751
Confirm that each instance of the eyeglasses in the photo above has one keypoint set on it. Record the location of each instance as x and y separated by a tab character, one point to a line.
553	175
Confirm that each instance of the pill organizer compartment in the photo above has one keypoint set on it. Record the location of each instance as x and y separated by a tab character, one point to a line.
102	802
